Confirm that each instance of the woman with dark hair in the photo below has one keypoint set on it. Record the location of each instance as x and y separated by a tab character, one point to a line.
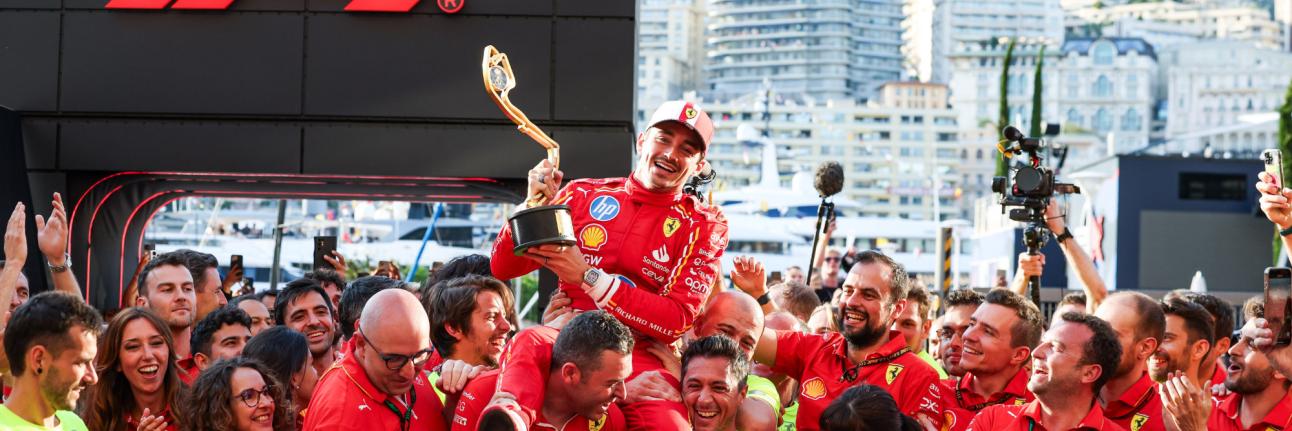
865	407
237	394
287	354
138	380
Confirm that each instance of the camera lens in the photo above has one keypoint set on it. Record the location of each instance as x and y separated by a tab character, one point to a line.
1028	180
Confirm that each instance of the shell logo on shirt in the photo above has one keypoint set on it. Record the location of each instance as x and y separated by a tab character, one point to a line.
1138	421
814	389
892	372
592	237
1019	401
948	420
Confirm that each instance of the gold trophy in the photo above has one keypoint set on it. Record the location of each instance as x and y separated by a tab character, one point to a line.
539	223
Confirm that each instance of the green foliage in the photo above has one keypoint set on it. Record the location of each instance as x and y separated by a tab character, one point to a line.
1285	146
1036	95
529	288
1002	164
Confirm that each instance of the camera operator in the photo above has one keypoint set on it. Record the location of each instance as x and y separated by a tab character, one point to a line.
1030	265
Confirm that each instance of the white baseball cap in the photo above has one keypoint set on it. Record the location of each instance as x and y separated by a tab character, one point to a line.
687	114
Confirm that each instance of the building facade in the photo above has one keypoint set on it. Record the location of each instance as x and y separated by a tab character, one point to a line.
934	29
1211	20
670	50
822	50
896	151
1221	97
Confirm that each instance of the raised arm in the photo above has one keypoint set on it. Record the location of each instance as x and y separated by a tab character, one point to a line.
51	236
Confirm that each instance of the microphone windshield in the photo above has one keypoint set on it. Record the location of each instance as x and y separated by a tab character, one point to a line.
829	179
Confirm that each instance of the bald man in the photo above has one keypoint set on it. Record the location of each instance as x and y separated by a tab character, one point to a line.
379	386
738	316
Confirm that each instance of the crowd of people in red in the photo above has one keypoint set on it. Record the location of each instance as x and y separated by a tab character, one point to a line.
642	334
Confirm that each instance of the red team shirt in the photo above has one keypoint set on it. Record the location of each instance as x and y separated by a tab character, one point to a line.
819	362
1139	408
667	249
345	399
1224	416
478	393
1027	417
958	412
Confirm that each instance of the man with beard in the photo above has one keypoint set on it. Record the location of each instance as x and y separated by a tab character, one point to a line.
51	342
1212	372
469	319
647	252
960	306
305	307
166	289
1069	367
713	383
997	346
1259	394
207	287
1190	332
865	350
380	386
588	362
1130	398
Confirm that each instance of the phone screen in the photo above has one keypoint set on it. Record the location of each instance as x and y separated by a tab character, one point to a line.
323	246
1278	286
235	262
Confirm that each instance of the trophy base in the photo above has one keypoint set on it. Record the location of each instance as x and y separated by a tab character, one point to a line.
547	224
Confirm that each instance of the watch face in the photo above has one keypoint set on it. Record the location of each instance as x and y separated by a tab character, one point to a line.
590	277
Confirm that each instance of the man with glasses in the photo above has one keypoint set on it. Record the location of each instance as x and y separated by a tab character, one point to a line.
380	386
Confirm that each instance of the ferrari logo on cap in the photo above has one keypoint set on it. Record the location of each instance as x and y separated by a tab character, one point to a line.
690	112
1137	423
813	389
892	372
670	226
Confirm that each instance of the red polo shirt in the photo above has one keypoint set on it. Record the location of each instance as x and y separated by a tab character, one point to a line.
345	399
819	362
1027	417
1224	417
1139	408
188	370
958	411
480	390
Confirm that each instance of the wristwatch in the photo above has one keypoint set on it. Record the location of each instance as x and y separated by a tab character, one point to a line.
67	263
1066	235
591	276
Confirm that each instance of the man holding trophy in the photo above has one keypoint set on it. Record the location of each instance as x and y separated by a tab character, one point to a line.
646	252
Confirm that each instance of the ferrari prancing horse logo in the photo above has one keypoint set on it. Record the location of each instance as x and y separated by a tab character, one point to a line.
892	372
670	226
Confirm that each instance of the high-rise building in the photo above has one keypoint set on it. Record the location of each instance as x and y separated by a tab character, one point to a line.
1283	15
934	29
899	151
670	50
820	50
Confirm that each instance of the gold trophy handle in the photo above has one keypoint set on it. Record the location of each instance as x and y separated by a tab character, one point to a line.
499	81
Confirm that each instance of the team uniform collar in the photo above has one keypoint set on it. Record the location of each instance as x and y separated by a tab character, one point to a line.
896	342
1016	388
1134	399
1094	419
1276	418
639	193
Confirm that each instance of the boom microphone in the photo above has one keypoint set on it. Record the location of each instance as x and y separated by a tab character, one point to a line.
829	179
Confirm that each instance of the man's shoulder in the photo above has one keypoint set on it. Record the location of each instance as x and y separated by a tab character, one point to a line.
619	184
995	416
70	421
703	212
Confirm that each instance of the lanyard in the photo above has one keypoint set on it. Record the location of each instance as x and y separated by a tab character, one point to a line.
405	418
976	407
851	374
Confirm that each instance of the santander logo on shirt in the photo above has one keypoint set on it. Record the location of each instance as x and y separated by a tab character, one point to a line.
660	255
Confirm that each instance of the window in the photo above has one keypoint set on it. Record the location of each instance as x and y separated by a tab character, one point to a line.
1104	52
1131	121
1221	187
1103	87
1074	118
1102	121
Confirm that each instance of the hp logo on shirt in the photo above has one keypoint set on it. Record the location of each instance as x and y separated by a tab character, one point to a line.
604	208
